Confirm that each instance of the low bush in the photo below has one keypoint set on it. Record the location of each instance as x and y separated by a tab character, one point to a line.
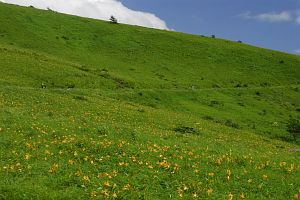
81	98
207	117
293	127
232	124
70	85
185	129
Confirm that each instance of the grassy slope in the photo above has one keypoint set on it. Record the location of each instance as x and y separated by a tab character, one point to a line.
133	57
130	86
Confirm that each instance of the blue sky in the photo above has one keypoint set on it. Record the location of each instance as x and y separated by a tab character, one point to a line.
265	23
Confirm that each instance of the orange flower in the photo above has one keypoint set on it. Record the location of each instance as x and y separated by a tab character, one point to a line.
165	164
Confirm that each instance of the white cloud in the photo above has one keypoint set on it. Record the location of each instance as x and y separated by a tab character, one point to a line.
97	9
275	17
284	16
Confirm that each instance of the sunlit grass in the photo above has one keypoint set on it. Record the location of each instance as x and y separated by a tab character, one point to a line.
93	111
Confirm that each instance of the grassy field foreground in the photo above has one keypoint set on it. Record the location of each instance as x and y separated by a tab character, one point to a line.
90	110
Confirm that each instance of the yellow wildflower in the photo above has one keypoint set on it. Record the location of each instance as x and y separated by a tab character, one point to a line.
180	192
291	168
282	164
106	184
86	179
86	158
211	174
114	195
210	191
150	167
27	156
78	173
165	164
127	187
230	196
71	162
47	152
93	194
105	192
242	196
176	167
53	168
185	188
265	177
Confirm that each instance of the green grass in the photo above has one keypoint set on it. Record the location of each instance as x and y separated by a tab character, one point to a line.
90	109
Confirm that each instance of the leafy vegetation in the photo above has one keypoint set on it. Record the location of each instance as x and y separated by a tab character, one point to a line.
113	20
184	130
294	128
93	110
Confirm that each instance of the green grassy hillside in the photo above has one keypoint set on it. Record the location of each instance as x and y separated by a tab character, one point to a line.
90	109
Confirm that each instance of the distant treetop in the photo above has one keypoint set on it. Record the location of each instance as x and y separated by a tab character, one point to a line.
113	20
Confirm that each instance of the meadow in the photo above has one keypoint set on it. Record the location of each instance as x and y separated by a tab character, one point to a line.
93	110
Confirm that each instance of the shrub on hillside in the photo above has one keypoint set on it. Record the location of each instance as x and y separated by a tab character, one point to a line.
293	127
215	86
70	85
185	129
232	124
215	103
79	97
238	85
65	37
207	117
113	20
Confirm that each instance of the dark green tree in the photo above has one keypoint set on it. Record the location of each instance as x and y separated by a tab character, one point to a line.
293	127
113	20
